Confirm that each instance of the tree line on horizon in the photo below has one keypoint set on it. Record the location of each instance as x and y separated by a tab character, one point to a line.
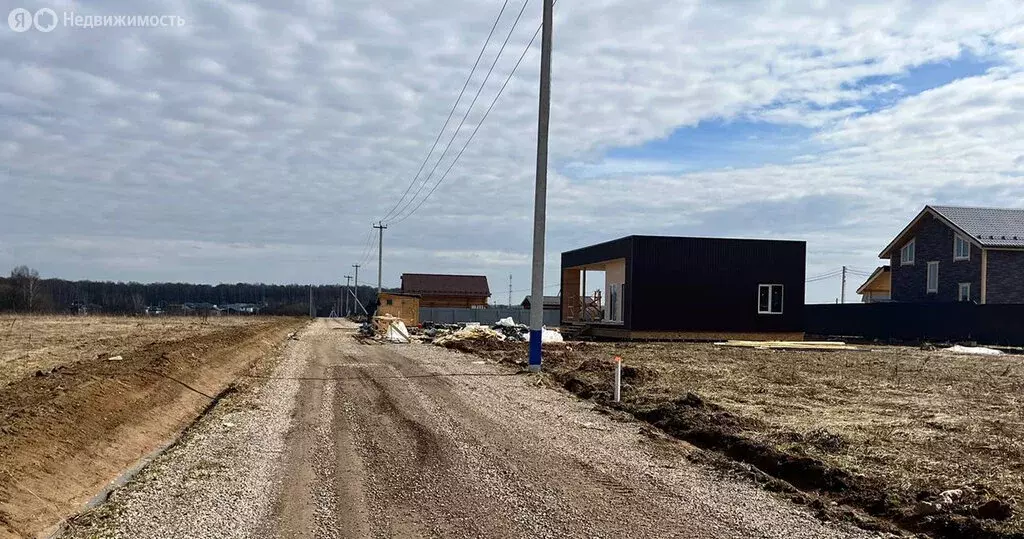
25	292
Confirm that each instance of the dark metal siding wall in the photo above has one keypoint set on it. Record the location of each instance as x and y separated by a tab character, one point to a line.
703	284
609	250
710	284
986	324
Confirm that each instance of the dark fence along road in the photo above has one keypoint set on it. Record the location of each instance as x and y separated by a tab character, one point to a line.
988	324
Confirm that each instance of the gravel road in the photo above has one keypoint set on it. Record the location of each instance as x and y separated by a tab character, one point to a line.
352	440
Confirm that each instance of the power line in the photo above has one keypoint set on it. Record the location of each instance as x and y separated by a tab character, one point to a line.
824	277
367	247
473	134
826	274
464	117
545	288
450	113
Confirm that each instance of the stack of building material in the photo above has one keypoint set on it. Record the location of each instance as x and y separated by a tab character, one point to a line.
470	333
792	345
391	329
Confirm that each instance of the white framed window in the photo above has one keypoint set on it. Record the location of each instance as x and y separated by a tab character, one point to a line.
961	248
933	278
769	299
907	253
964	292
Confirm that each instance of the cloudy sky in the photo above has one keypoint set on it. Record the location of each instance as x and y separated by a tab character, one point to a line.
259	140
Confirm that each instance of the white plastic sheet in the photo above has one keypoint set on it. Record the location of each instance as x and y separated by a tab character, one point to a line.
547	336
397	332
975	350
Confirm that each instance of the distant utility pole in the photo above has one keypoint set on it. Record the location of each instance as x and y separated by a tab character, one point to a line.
348	282
380	254
509	289
541	191
356	294
842	294
312	313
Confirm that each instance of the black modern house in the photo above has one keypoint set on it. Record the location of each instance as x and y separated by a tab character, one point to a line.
664	287
950	254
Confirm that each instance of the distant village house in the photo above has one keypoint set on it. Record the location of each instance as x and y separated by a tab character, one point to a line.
454	291
950	253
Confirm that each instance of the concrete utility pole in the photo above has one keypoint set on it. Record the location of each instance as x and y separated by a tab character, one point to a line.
348	282
541	191
356	293
380	255
842	294
509	289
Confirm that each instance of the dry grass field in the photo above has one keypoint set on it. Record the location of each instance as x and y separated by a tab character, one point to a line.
885	431
40	343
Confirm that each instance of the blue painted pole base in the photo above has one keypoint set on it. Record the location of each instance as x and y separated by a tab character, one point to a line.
536	338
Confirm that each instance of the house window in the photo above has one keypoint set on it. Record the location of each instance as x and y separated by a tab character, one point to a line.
907	253
961	248
933	277
391	302
769	299
964	292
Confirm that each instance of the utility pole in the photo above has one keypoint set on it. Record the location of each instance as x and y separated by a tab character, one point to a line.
380	254
348	281
541	191
312	313
510	290
843	290
356	266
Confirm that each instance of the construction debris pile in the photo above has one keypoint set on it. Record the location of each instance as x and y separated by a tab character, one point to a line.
469	333
463	336
473	335
386	328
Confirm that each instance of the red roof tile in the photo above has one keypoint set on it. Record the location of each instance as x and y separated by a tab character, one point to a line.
448	285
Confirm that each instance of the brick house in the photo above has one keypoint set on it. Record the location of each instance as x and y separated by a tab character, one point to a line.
460	291
949	254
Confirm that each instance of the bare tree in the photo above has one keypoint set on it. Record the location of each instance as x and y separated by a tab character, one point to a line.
26	280
138	303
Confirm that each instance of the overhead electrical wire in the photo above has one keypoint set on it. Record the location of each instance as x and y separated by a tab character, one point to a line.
824	276
480	123
367	247
450	113
548	287
472	104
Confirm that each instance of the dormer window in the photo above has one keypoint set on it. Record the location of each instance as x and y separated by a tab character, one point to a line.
907	253
961	248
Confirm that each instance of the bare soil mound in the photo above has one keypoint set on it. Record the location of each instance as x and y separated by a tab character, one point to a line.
66	432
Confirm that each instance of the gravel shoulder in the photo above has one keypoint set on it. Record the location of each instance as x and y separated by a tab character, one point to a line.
214	481
352	440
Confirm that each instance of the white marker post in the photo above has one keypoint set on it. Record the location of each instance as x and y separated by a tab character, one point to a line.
618	378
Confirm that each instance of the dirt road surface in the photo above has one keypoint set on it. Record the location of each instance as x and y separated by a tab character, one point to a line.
352	440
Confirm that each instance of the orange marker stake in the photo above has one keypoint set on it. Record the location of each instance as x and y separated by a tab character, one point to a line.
618	378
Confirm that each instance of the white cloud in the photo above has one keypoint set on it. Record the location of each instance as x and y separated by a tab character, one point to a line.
298	124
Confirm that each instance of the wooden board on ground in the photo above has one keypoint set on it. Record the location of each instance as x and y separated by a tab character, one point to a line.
793	345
